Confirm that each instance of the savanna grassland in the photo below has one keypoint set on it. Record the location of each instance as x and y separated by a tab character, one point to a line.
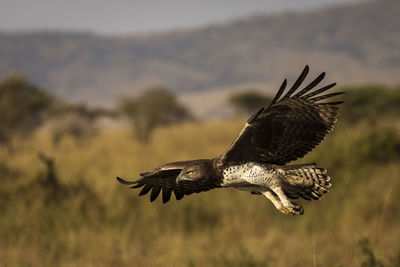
76	214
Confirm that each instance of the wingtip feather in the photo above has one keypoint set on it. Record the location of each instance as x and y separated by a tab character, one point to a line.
136	183
319	91
298	82
122	181
323	97
311	85
280	92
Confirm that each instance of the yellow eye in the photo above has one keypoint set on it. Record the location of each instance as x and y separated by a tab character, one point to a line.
189	173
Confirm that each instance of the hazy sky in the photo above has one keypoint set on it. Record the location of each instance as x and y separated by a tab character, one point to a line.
123	16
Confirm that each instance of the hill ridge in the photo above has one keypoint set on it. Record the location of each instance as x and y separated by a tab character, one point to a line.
354	43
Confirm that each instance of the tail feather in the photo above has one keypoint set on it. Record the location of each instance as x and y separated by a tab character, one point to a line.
306	181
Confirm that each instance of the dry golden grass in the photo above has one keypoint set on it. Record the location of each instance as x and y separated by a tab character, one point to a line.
91	220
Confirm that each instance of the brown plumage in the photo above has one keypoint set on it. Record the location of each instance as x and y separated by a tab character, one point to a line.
291	126
164	178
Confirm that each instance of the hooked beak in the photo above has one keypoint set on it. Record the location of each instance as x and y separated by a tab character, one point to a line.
179	178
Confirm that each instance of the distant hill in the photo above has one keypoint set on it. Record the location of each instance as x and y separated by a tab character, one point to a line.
357	43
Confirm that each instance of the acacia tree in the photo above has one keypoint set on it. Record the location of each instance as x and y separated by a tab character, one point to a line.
22	107
154	108
77	121
248	102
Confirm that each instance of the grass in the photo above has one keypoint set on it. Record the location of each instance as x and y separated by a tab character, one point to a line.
89	219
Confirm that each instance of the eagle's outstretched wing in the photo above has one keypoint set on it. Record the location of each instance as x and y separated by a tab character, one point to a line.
164	178
289	128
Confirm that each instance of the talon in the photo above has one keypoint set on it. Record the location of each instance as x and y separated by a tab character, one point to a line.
286	207
296	209
285	211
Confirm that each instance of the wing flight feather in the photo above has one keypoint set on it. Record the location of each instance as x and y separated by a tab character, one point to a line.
311	85
289	128
298	82
280	92
163	179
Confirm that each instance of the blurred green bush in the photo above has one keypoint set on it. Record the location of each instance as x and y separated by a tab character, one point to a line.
370	102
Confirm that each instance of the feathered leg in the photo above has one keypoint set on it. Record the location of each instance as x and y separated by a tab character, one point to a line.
291	207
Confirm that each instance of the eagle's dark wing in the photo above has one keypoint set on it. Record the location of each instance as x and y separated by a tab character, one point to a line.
289	128
164	179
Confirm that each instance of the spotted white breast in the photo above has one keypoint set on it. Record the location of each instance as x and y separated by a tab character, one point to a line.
247	173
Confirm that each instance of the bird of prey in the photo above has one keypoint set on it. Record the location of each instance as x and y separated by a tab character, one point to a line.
290	127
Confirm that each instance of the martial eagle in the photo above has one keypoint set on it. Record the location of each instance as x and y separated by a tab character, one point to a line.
290	127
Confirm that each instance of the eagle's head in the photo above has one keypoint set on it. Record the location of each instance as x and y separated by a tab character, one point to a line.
194	171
